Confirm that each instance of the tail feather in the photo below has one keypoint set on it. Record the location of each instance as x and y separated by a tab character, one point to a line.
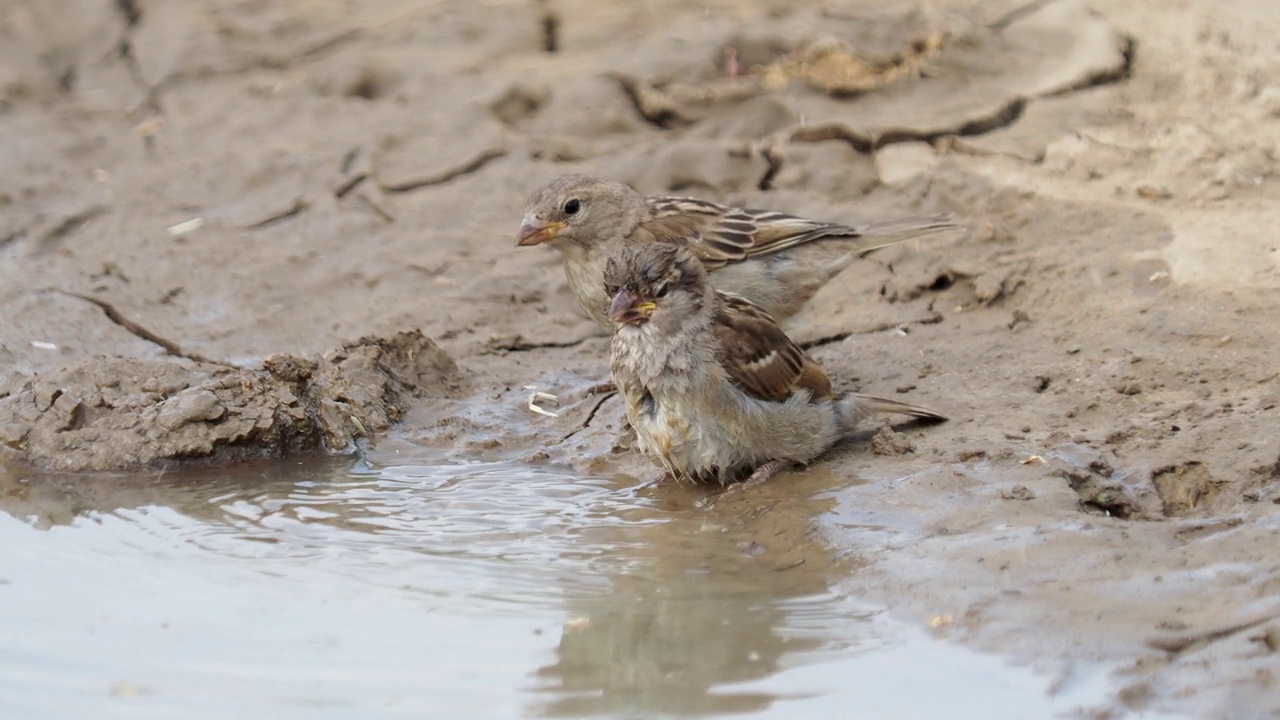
856	408
889	232
775	232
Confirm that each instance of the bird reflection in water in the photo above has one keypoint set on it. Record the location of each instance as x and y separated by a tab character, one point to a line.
704	607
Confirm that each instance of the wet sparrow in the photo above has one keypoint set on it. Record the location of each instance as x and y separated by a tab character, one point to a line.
773	260
713	387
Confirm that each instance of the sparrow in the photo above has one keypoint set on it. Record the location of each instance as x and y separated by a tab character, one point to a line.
713	387
773	260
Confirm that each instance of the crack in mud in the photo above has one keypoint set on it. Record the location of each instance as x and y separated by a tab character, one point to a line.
374	207
130	10
1019	12
151	100
156	90
118	318
318	48
1108	76
1003	117
476	164
349	160
1189	643
549	24
350	184
831	339
518	344
12	237
879	328
590	415
834	131
660	110
775	161
654	106
70	224
297	208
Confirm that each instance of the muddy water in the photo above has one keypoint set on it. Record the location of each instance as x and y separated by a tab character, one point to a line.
323	590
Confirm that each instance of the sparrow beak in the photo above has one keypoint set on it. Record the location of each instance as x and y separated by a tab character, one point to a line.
535	230
627	309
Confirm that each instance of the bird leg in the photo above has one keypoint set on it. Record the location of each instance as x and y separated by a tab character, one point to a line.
763	474
658	479
760	476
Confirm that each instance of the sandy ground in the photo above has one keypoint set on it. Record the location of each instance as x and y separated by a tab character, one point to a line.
189	189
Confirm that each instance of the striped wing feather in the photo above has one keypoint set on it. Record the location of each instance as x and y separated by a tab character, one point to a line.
718	234
760	358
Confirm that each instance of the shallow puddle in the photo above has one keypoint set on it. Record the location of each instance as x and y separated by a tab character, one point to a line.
479	591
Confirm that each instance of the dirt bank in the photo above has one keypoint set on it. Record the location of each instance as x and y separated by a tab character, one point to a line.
126	413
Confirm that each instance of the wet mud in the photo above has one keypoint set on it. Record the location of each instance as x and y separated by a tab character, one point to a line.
200	201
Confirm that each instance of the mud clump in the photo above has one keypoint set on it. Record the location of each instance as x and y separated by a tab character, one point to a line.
121	413
1018	492
889	442
1101	490
1184	487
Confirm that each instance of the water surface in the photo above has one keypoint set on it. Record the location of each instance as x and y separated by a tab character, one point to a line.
332	589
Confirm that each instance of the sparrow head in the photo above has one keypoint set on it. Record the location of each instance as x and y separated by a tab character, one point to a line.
654	283
578	208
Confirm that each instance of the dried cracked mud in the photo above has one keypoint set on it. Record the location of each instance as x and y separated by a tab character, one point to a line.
203	205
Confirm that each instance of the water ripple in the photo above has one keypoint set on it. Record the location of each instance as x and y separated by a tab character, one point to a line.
327	589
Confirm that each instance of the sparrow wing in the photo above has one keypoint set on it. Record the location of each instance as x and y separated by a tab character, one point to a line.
719	234
760	358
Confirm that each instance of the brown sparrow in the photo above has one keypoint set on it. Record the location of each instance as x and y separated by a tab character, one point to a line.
714	389
770	259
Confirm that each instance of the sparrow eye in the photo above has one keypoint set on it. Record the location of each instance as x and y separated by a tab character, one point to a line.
661	291
572	207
